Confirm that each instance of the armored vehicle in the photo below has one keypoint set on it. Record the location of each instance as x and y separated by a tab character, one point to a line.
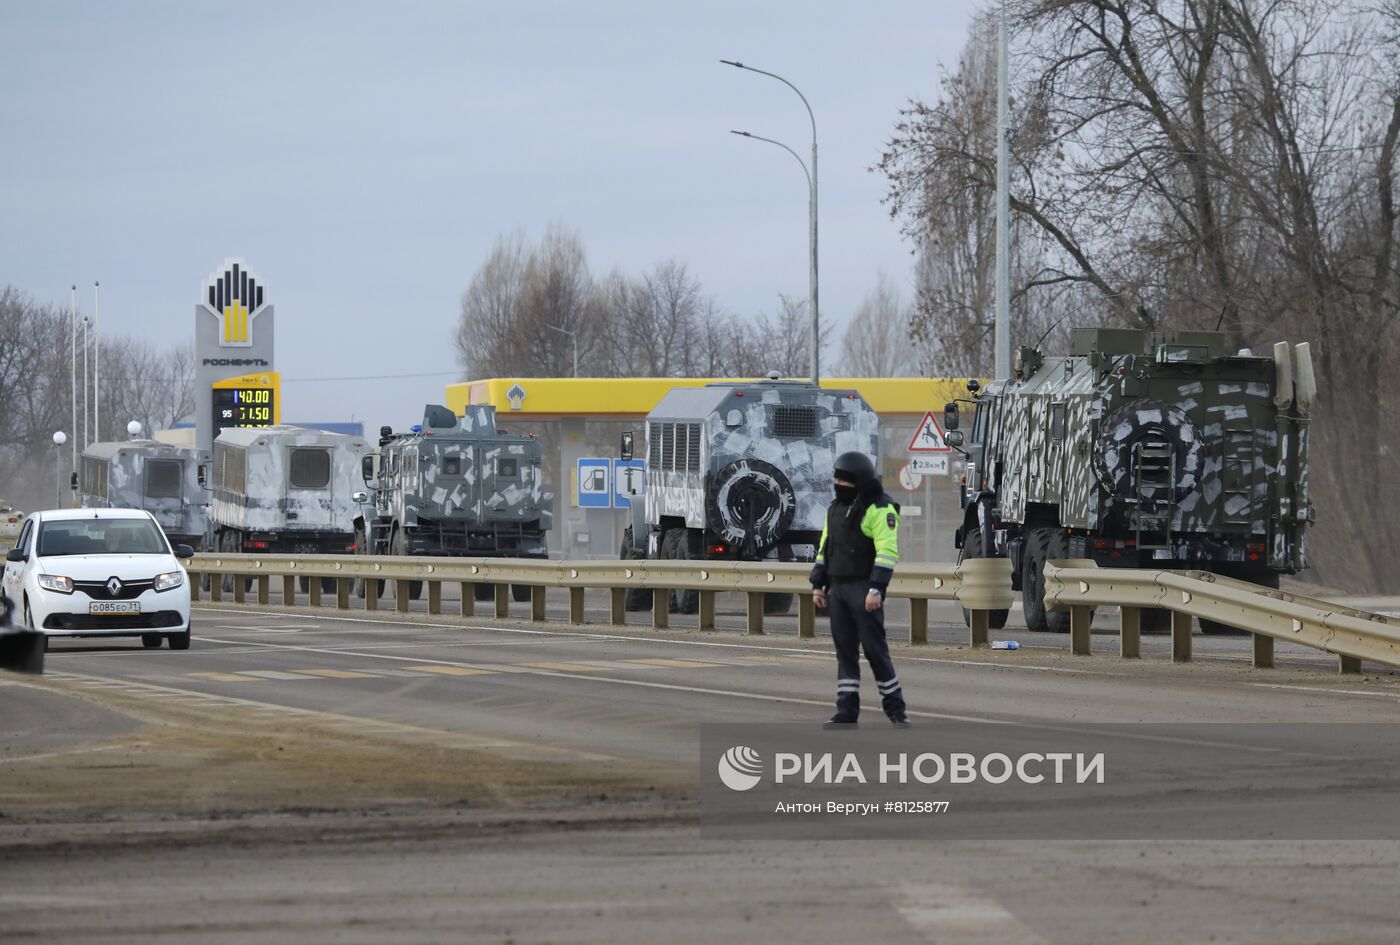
166	480
742	470
455	486
285	490
1140	449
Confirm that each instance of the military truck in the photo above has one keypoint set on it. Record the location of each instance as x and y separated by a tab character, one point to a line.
742	471
285	490
166	480
454	486
1139	449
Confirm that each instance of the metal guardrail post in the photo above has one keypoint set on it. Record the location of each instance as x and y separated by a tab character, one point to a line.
1263	651
289	590
617	606
576	614
263	589
194	580
918	621
755	613
467	607
342	593
502	600
1079	638
372	592
537	612
239	588
434	597
1130	633
1181	637
707	610
806	617
313	592
1348	664
216	588
978	622
401	596
660	609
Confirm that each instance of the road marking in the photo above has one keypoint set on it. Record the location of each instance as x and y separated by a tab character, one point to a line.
79	750
1339	692
222	677
446	670
943	912
339	674
561	667
677	664
270	674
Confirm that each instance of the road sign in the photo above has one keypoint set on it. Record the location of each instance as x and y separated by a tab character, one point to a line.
594	483
908	479
929	465
928	438
627	481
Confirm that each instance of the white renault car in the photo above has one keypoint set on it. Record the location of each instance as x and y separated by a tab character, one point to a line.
100	573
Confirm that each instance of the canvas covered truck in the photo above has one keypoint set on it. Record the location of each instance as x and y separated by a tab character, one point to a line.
166	480
1140	449
285	490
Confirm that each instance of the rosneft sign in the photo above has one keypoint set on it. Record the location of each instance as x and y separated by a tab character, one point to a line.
235	296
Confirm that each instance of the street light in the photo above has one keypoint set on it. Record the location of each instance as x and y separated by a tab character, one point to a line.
59	438
133	429
811	206
574	336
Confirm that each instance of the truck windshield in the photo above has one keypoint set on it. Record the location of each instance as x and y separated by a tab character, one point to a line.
101	536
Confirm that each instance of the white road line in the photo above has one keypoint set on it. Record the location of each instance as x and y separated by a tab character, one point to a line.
80	750
1339	692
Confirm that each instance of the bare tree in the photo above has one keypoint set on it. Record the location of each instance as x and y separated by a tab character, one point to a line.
876	342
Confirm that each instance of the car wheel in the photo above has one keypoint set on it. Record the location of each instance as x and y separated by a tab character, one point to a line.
179	641
151	641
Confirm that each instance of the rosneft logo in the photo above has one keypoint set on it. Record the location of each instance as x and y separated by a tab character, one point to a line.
235	296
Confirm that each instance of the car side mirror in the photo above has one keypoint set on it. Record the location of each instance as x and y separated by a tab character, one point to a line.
950	417
184	551
367	468
360	497
954	438
16	554
625	452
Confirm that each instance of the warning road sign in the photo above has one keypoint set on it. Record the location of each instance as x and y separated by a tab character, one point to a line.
928	438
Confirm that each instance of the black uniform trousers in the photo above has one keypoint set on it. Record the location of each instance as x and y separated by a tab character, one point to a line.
852	629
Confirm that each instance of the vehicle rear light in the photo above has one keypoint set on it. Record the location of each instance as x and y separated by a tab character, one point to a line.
1101	544
1258	549
258	545
717	549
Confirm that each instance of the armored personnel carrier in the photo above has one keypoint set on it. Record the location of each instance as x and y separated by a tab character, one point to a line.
285	490
166	480
742	471
454	486
1140	449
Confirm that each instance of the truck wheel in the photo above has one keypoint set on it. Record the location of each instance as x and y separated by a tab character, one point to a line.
226	546
636	599
484	591
1033	580
972	548
303	585
774	604
1057	546
677	548
1156	621
520	593
399	548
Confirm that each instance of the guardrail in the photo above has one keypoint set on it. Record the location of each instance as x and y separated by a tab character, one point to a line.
1353	635
979	584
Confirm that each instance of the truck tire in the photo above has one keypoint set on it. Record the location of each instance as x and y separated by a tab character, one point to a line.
398	547
1156	621
484	591
775	604
1033	580
972	548
520	593
635	599
677	547
1057	547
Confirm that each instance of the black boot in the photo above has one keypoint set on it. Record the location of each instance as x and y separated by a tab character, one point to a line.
900	720
839	721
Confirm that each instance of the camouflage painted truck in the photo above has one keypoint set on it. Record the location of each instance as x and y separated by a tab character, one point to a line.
742	471
1140	449
285	490
164	479
456	487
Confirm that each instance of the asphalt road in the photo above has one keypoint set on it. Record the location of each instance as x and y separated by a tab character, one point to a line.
322	776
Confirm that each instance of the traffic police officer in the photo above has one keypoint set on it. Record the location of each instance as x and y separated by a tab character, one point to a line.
855	561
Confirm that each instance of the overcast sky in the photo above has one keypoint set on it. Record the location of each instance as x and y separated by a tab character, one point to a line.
363	158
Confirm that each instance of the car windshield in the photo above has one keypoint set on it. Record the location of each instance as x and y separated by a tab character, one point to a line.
101	536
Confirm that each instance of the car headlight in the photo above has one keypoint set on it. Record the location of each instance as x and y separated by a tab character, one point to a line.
56	582
165	582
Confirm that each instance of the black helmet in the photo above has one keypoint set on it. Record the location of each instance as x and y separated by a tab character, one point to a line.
856	468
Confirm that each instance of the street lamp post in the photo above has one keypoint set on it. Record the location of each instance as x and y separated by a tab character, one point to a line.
811	208
59	438
574	336
73	368
96	366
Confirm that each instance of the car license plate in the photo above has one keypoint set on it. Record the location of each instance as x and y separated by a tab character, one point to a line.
115	607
